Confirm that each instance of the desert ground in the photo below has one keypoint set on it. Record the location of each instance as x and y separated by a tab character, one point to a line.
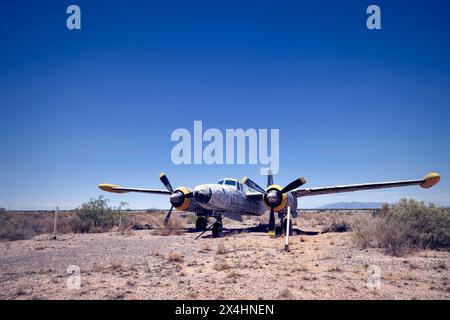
244	264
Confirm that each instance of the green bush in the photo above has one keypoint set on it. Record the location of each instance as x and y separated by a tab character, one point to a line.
96	214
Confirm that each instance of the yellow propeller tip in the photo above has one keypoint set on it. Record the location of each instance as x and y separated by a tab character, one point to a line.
162	174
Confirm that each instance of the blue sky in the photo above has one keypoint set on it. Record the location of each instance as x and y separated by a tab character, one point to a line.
99	105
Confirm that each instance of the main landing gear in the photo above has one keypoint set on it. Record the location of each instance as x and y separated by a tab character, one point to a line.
201	223
281	230
216	227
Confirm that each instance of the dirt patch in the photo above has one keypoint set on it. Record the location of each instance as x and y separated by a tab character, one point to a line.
245	265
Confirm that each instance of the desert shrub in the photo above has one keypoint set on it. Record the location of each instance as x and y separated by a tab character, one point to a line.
191	218
20	226
429	225
175	257
175	226
338	223
403	226
221	248
78	225
11	232
221	264
96	214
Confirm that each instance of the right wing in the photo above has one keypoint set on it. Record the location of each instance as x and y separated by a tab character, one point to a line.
118	189
428	181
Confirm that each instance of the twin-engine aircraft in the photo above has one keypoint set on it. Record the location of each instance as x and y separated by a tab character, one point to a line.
231	198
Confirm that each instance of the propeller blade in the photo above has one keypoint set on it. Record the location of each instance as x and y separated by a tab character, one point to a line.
269	178
271	231
166	219
250	183
293	185
165	182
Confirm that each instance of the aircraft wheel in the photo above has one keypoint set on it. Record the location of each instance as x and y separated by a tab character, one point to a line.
217	230
201	223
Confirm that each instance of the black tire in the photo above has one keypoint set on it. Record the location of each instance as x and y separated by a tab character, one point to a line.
217	230
201	223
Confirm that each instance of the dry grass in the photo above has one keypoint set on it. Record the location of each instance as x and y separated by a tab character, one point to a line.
175	257
286	294
116	266
221	264
21	225
175	227
339	222
222	248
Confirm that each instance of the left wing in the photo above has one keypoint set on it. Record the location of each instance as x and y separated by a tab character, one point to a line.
427	182
118	189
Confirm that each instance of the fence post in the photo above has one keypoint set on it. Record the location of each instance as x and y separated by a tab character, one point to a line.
288	221
55	223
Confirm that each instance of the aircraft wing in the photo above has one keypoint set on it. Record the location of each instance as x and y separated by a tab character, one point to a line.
427	182
118	189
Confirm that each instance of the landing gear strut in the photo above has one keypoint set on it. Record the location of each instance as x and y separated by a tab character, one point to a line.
201	223
283	224
216	227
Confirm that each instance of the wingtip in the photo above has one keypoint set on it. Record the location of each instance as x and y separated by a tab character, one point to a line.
109	187
430	180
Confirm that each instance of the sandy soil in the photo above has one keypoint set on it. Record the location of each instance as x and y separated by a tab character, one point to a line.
248	265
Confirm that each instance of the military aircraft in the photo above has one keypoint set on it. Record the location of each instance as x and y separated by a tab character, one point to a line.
231	198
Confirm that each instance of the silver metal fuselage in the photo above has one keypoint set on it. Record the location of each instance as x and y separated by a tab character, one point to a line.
228	199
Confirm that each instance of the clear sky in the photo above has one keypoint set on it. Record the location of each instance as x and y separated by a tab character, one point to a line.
78	108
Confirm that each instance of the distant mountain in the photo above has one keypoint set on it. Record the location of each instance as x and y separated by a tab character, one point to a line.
352	205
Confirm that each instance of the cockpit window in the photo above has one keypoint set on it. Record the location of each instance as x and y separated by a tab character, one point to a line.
220	182
230	183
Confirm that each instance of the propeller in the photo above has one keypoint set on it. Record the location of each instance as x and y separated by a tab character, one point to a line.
165	182
274	195
167	218
271	230
251	184
177	197
294	185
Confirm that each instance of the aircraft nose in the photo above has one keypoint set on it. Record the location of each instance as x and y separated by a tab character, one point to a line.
202	194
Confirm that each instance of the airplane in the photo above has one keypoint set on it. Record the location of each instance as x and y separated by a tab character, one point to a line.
232	198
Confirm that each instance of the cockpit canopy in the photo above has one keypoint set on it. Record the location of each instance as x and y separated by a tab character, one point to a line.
232	183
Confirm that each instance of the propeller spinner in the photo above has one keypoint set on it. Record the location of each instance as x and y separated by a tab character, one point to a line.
180	198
